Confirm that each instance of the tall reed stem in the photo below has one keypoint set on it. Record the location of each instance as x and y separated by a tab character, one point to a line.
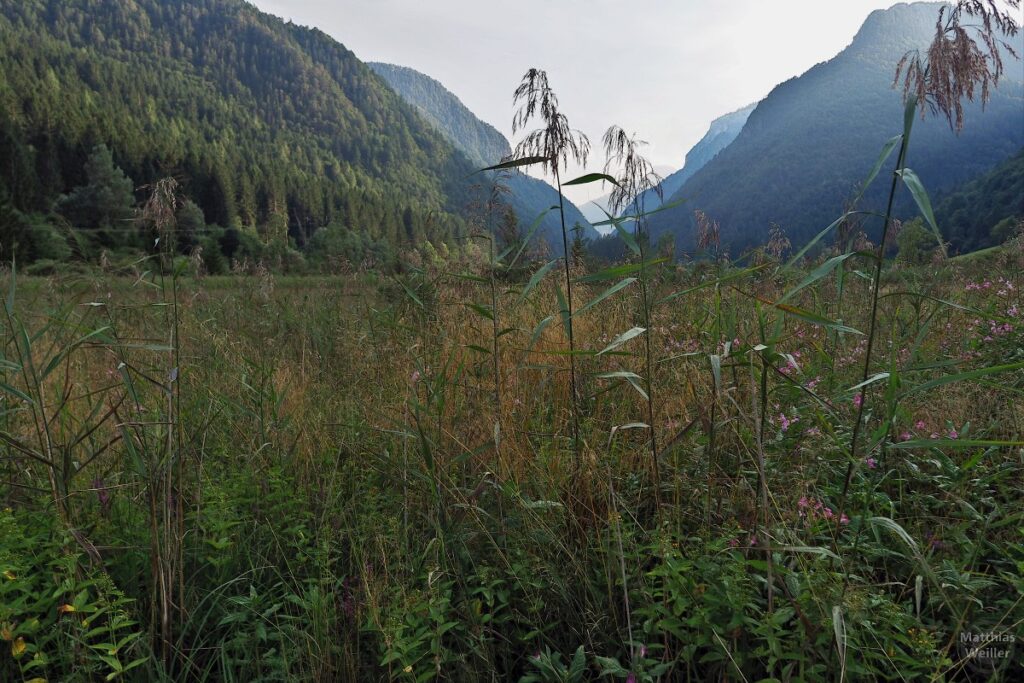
573	387
875	286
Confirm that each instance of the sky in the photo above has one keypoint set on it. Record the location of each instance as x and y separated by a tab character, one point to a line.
663	69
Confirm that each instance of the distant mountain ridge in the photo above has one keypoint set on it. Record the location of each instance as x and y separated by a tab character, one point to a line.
806	147
720	135
485	146
478	140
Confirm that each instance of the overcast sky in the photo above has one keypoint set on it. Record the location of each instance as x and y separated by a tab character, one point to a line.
661	68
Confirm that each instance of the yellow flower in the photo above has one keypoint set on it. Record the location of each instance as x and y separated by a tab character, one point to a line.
408	669
10	575
6	633
65	609
18	647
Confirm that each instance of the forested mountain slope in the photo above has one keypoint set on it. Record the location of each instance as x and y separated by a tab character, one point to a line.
986	210
720	135
269	127
807	146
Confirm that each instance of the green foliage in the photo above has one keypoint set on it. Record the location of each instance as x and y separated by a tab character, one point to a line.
915	242
338	247
60	619
985	211
267	126
105	202
29	237
101	212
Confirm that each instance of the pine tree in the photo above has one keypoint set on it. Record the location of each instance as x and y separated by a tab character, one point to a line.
105	203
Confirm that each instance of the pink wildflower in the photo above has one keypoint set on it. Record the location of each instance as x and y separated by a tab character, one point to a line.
871	463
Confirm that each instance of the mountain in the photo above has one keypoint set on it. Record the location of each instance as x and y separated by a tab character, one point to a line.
984	211
720	135
272	129
480	141
595	210
806	147
485	146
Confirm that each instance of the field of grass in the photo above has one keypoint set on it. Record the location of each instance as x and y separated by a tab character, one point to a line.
369	478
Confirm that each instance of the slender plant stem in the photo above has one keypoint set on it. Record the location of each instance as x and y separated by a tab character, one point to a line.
572	343
872	326
648	383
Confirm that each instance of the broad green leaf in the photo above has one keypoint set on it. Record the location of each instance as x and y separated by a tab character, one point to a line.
529	235
870	380
627	237
817	238
622	339
631	377
806	316
955	444
591	178
411	294
807	549
908	117
818	273
887	149
515	163
892	526
960	377
57	359
482	311
916	188
539	330
16	392
605	294
536	278
634	217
